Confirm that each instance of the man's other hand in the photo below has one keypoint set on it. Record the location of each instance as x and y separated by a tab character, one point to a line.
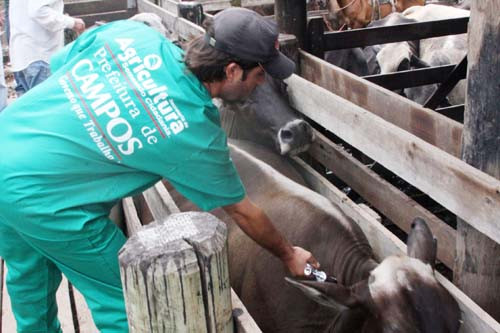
79	26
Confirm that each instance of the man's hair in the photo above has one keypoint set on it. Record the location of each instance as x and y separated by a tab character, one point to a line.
206	62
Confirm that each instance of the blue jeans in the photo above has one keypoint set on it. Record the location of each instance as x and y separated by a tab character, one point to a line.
34	74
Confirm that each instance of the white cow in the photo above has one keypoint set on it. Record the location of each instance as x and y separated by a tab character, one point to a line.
437	51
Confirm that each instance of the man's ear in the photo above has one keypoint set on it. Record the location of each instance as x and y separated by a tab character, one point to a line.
232	70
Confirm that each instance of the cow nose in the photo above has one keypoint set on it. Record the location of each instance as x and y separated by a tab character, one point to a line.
298	131
286	135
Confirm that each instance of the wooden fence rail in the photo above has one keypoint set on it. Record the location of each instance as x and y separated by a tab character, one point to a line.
469	193
389	200
440	131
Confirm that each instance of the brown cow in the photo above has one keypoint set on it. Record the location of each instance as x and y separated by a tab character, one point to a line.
401	294
359	13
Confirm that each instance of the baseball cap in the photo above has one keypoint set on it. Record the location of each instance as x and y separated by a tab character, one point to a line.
249	36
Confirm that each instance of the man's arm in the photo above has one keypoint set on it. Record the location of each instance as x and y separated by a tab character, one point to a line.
257	225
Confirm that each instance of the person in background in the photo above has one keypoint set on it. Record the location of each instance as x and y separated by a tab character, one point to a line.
36	32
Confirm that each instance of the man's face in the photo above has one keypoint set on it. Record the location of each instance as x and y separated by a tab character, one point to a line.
234	88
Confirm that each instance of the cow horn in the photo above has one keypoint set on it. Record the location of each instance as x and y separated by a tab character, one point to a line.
421	244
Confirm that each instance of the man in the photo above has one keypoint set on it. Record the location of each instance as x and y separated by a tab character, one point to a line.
36	32
124	108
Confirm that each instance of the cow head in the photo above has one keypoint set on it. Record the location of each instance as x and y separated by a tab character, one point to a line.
267	118
400	295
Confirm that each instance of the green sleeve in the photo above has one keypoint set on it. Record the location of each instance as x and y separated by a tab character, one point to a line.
209	178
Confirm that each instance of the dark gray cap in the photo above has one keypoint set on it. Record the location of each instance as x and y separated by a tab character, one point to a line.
247	35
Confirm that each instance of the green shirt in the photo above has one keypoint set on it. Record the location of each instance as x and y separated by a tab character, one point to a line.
119	112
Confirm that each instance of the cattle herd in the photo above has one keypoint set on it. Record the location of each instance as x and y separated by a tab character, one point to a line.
397	294
392	57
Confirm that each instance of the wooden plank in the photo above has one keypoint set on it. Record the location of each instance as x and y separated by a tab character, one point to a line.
166	198
394	33
156	205
93	7
215	5
433	128
384	244
171	5
160	202
469	193
91	19
131	219
255	3
412	78
388	199
243	321
182	28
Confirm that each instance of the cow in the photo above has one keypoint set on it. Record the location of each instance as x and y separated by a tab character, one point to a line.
352	60
437	51
400	294
267	118
363	61
359	13
440	51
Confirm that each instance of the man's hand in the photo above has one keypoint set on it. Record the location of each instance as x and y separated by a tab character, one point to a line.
296	262
79	26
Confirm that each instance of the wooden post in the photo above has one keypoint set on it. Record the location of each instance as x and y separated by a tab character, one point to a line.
289	47
292	17
175	276
477	270
314	37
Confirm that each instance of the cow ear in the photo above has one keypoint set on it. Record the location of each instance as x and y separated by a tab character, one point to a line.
404	65
421	244
332	295
416	62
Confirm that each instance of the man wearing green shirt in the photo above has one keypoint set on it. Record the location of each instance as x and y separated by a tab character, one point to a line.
123	109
